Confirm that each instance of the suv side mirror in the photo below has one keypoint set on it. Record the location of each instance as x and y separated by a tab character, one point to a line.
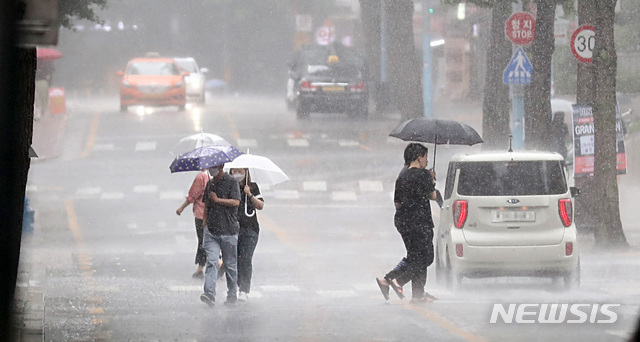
186	73
204	70
574	191
120	73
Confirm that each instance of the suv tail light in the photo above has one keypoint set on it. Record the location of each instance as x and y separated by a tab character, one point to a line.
566	211
306	86
358	87
568	248
460	213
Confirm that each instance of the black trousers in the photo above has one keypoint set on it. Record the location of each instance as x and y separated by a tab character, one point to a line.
413	268
201	255
247	241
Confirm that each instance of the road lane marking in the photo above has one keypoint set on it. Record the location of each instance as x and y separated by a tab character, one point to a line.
445	323
145	188
298	142
87	192
370	186
344	196
103	147
338	293
84	263
93	132
185	288
146	146
314	186
280	288
171	195
112	195
286	194
348	143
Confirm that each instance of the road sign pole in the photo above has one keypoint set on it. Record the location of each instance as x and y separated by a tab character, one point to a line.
517	121
427	91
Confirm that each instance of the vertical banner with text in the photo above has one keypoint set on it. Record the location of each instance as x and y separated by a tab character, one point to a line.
584	142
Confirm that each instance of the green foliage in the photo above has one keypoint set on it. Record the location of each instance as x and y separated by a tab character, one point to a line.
79	9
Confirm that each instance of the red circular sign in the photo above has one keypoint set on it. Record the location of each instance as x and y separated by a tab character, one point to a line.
520	28
582	43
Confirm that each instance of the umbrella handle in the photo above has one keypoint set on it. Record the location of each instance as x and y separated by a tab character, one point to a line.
246	197
246	207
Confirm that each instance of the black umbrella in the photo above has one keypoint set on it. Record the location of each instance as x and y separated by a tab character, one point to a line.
437	132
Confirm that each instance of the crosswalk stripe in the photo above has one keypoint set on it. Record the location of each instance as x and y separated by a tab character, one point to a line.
371	186
348	143
146	146
286	194
280	288
103	147
112	195
88	191
298	142
314	186
145	188
344	196
171	195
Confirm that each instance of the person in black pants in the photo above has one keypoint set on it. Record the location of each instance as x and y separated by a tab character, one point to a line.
250	201
414	188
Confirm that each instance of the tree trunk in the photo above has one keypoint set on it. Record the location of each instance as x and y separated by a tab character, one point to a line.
609	227
370	14
537	96
495	108
404	68
589	200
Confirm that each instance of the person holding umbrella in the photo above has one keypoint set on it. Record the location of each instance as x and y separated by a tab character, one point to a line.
414	188
251	200
222	199
196	193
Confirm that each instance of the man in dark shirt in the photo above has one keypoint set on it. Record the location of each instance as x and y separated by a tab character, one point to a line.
221	198
414	188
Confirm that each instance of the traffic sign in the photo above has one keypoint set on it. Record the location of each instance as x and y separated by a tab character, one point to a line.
520	28
582	43
519	69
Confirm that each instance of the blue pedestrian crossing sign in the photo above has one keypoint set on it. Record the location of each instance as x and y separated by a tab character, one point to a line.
519	69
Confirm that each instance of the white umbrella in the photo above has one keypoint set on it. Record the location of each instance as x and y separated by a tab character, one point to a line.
261	169
201	139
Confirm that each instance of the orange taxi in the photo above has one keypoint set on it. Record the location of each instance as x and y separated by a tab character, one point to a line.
152	81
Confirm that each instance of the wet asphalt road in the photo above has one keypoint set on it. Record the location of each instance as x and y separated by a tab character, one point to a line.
119	260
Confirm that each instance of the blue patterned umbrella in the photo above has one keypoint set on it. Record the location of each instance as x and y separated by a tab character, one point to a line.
204	158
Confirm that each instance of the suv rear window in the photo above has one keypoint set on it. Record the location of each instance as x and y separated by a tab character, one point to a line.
511	178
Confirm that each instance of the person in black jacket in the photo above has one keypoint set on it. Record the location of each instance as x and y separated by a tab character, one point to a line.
414	188
250	201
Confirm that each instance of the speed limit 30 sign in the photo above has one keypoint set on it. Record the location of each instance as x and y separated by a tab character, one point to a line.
583	42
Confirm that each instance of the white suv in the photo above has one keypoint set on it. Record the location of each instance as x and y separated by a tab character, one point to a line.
507	214
195	80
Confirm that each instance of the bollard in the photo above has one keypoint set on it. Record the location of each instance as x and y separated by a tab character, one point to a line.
56	101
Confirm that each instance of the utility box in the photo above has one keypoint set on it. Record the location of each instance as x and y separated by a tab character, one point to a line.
56	101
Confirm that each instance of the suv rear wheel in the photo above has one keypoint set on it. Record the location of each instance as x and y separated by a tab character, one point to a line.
302	111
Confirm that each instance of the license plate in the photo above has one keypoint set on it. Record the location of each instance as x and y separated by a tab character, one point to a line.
513	216
333	88
153	95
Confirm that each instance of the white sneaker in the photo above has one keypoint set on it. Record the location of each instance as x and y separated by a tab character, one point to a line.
243	296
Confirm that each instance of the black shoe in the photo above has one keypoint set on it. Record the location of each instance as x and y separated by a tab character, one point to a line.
198	275
231	301
384	287
208	299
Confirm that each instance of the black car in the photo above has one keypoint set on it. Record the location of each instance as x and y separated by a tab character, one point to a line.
328	79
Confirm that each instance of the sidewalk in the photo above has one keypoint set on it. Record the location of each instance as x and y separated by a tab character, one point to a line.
48	135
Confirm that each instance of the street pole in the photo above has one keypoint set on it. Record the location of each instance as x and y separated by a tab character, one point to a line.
427	87
517	103
383	44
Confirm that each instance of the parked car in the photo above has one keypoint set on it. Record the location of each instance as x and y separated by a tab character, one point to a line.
196	79
507	214
328	79
152	81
